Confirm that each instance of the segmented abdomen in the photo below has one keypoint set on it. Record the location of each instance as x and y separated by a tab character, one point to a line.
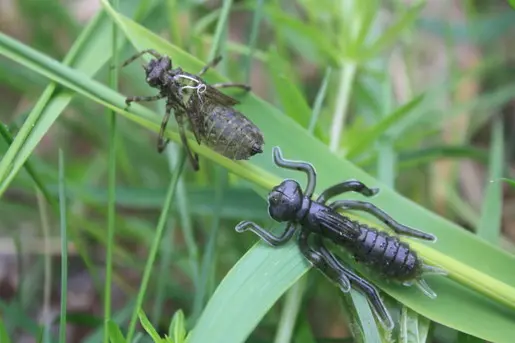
230	133
386	254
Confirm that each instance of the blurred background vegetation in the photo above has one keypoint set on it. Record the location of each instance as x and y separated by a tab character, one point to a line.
458	53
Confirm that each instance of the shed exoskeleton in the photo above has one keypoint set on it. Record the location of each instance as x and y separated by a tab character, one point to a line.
208	111
383	253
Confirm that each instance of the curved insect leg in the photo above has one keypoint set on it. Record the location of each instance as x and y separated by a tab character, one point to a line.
265	235
139	54
300	166
381	215
162	142
130	99
326	266
347	186
211	64
433	270
360	284
422	284
193	157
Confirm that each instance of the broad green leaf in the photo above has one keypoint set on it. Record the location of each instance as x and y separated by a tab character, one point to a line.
479	288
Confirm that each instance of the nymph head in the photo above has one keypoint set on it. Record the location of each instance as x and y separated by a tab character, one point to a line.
285	200
156	69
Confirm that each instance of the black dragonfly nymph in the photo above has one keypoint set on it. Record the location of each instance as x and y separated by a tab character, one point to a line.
209	112
383	253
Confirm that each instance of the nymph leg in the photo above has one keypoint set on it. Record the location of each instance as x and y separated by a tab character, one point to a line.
381	215
141	53
300	166
265	235
347	186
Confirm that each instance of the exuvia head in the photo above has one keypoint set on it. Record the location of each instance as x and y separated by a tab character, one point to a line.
155	69
285	200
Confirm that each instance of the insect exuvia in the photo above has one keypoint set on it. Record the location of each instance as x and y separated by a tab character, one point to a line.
208	111
382	252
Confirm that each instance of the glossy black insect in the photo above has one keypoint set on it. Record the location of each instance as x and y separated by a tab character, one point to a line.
208	111
383	253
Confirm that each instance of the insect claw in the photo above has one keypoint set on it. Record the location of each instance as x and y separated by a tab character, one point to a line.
433	270
424	287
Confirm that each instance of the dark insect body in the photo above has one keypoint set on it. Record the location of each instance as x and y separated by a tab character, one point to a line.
224	129
208	111
383	253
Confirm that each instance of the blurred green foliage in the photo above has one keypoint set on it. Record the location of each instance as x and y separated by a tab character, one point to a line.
408	88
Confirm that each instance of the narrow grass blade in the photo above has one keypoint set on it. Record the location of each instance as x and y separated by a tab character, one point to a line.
317	106
392	33
489	227
413	327
155	245
290	311
64	248
208	259
177	329
369	137
220	27
254	30
4	336
290	97
148	327
114	333
111	179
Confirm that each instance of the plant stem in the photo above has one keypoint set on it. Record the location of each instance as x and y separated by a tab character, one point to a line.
111	182
155	246
347	74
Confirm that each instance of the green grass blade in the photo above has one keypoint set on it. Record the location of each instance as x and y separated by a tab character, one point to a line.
114	333
208	259
392	33
220	27
177	328
319	100
290	97
413	328
148	327
509	181
155	245
111	180
290	311
369	137
309	36
254	30
489	227
347	73
4	336
64	248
